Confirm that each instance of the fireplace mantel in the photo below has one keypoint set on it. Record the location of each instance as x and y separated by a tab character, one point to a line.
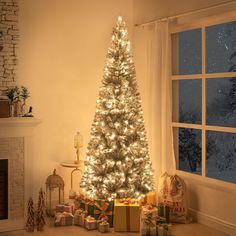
17	126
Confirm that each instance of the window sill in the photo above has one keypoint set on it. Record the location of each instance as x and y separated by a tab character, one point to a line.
209	182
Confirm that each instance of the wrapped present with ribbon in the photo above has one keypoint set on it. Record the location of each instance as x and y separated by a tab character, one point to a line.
90	223
63	219
149	209
88	205
103	210
103	226
126	215
65	208
165	211
164	230
79	217
148	225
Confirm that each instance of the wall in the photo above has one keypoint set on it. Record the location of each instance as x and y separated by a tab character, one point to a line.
61	59
210	203
9	37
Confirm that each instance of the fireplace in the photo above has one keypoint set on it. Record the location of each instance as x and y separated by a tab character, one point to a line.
3	189
16	172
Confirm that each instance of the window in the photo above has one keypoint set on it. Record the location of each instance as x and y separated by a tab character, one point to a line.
204	100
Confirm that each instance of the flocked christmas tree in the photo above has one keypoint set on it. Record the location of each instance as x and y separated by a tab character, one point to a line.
29	226
40	221
117	160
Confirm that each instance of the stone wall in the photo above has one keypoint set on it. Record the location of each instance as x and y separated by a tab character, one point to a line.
9	37
13	150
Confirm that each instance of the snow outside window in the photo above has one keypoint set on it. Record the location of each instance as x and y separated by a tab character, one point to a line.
204	100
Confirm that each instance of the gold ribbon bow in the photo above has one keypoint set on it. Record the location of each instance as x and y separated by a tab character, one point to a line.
102	210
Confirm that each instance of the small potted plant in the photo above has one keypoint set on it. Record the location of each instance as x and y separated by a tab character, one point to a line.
10	93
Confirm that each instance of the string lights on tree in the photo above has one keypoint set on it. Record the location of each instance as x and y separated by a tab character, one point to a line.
117	161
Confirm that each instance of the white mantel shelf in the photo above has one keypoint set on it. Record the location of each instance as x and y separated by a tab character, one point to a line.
18	126
19	121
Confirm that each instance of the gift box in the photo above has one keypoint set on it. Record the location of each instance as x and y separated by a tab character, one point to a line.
126	216
165	211
90	223
79	217
104	210
149	209
88	205
65	208
103	226
63	219
148	222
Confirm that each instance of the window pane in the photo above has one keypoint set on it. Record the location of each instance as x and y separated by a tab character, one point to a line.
187	101
221	47
188	149
187	52
221	156
221	102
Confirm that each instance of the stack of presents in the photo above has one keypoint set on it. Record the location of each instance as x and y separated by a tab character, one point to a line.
125	215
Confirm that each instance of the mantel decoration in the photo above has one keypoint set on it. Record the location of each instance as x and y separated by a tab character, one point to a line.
54	192
17	97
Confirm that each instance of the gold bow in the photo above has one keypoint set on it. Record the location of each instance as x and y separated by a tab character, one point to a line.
102	210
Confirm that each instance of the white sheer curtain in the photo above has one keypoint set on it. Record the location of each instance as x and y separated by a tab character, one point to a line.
153	58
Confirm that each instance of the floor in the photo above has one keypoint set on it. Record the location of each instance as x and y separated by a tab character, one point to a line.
193	229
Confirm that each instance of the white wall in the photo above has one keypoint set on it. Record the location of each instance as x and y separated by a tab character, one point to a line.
212	204
62	55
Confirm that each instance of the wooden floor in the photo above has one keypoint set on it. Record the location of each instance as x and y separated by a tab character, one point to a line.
192	229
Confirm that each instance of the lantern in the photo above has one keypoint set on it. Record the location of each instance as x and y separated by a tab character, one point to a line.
54	192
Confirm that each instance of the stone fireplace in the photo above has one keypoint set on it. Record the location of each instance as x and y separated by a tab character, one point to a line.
16	176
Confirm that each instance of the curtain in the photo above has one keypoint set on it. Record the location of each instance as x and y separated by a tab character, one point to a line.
153	71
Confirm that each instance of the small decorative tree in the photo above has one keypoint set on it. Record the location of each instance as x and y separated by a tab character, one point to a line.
40	221
29	226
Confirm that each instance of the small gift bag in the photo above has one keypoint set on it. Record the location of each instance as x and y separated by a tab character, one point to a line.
79	217
90	223
63	219
103	226
104	210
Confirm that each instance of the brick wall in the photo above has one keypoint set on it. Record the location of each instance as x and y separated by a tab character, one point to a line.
9	37
13	150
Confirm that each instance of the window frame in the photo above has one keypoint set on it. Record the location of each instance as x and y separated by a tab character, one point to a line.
202	24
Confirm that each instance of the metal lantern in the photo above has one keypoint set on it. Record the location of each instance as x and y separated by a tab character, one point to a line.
54	192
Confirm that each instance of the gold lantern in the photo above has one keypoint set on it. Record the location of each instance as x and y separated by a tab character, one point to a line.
54	192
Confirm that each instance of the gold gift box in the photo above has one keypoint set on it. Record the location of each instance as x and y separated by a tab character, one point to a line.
126	216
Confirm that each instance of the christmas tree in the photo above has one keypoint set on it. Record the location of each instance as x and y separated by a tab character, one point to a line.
30	216
40	221
117	162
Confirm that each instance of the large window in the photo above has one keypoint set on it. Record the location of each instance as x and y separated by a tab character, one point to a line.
204	100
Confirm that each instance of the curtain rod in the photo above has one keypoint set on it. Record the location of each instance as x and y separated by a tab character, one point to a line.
185	13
